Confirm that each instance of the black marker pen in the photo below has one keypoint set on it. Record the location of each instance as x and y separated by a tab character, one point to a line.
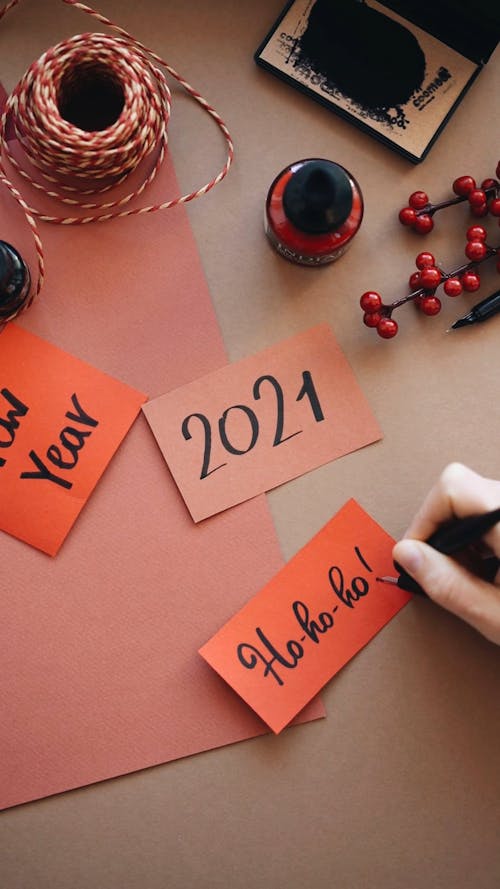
480	312
450	538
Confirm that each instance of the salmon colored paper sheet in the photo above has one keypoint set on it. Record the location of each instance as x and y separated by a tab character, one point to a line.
99	670
61	421
310	619
255	424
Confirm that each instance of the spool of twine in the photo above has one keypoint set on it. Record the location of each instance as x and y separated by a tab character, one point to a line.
86	114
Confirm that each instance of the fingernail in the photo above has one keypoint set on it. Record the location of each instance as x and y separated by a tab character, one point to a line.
408	553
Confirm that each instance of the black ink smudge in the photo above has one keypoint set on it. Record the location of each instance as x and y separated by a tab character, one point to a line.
369	57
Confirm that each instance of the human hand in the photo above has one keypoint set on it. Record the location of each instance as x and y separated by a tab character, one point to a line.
458	492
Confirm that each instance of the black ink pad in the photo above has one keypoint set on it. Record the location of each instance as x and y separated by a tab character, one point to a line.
369	56
396	69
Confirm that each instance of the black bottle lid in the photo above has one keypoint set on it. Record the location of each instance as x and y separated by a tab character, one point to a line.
318	197
14	281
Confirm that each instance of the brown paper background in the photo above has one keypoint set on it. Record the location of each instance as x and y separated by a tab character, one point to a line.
400	785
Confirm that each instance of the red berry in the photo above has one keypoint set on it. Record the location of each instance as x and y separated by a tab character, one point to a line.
372	319
430	278
477	197
476	250
387	328
370	301
407	216
424	261
423	224
430	305
418	200
476	233
495	207
480	210
452	287
488	183
414	281
463	185
470	281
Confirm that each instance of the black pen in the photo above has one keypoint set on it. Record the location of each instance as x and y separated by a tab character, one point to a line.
480	312
450	538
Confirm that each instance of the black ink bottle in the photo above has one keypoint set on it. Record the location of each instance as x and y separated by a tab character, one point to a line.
15	282
314	209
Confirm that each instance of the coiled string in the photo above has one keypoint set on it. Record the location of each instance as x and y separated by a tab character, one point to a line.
81	153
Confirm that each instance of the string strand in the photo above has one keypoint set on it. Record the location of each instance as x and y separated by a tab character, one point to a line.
76	166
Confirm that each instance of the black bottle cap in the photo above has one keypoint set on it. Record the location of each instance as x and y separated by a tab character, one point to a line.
14	281
318	197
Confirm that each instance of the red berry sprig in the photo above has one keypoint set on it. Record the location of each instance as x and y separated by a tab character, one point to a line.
426	280
482	200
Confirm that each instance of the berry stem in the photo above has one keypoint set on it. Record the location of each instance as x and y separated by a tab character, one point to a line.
483	199
386	310
433	208
404	299
490	251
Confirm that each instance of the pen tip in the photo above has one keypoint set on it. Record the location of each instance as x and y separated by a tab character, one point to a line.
461	322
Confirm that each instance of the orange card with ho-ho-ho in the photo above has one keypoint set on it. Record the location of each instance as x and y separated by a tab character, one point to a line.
310	619
254	424
61	421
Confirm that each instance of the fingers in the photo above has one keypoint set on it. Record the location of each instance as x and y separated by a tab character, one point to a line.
458	492
452	586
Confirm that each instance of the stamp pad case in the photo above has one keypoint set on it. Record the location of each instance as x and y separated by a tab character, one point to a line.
397	70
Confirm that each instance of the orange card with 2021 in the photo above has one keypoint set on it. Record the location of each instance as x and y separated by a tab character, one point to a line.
61	421
259	422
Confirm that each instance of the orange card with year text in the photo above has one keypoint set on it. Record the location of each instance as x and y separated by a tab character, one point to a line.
61	421
310	619
252	425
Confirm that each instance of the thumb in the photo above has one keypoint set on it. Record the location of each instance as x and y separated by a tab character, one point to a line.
452	586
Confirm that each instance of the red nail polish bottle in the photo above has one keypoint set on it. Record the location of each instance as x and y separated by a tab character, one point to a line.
313	210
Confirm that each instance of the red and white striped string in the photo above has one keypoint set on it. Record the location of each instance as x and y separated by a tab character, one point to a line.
75	165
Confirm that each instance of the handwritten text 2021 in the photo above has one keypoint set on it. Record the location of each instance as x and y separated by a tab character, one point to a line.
307	390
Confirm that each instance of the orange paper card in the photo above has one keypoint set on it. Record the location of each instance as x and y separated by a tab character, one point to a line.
310	619
255	424
61	421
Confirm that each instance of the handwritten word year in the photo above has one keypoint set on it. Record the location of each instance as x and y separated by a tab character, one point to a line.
307	391
64	456
313	630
